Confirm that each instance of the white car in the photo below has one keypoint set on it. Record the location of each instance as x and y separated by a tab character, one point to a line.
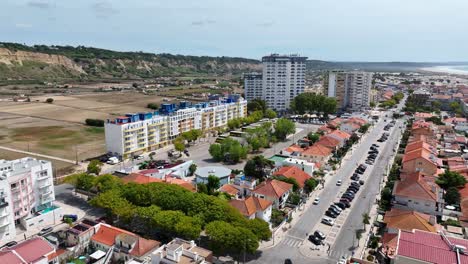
338	183
317	200
328	221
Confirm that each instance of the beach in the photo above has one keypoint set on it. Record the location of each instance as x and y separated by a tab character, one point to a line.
460	70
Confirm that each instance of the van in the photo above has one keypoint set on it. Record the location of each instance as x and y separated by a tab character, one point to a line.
113	160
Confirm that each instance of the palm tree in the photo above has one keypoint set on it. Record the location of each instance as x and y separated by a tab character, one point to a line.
365	219
358	235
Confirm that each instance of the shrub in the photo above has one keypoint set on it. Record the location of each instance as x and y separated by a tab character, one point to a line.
49	100
94	122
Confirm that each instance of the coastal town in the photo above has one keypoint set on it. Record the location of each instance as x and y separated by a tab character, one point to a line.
359	170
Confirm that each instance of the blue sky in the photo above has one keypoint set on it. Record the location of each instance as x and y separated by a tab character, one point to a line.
343	30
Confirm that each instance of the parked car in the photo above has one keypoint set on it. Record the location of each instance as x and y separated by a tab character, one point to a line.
45	230
287	261
331	214
112	160
328	221
338	183
9	244
320	235
355	178
317	241
361	182
336	208
341	205
72	217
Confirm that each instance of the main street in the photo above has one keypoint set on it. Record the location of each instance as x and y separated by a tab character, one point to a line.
296	237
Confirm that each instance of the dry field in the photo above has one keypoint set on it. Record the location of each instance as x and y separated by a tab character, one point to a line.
58	129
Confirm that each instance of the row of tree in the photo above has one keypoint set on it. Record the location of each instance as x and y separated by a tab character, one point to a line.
229	151
166	210
313	103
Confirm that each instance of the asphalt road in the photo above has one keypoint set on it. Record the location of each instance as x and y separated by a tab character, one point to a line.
312	215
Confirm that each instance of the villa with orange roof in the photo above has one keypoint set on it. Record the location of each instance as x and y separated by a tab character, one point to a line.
277	192
126	245
350	127
317	153
422	128
328	142
408	220
421	160
340	136
293	172
413	192
230	189
253	207
422	116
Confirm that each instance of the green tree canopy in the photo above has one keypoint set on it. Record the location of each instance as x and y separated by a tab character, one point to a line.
256	105
314	137
153	106
213	184
452	196
450	179
269	113
94	166
313	103
257	167
284	127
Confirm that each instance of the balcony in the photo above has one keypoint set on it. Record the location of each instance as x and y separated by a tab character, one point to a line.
4	224
42	177
15	190
3	202
45	194
47	184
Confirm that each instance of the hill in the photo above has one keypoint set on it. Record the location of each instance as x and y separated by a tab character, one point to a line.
41	62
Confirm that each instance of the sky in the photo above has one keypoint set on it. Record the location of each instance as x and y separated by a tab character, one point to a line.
337	30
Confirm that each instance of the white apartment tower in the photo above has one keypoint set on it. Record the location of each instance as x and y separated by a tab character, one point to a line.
253	86
26	196
352	89
283	79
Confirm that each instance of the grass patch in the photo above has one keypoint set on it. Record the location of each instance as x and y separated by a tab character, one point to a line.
95	130
41	133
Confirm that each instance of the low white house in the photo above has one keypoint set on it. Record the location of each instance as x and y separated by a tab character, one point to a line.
254	207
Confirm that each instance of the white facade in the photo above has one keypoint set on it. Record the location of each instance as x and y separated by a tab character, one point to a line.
351	89
253	86
26	195
154	131
307	167
283	79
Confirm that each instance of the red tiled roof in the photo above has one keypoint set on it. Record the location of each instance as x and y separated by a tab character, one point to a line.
408	220
335	122
57	253
32	250
294	148
143	246
106	234
441	96
149	171
328	142
340	134
273	188
429	247
229	189
420	153
8	256
413	185
251	205
419	144
317	150
293	172
357	120
423	115
139	178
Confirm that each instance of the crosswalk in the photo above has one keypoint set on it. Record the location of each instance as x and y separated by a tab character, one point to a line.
291	241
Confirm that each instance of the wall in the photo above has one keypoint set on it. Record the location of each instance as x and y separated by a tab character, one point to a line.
416	205
49	218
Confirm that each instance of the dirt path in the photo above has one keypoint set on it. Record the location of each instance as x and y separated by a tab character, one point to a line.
39	155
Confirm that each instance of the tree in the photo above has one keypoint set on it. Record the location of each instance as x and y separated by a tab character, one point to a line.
310	185
365	219
358	234
107	182
256	105
284	127
270	114
372	104
456	108
230	150
450	179
85	182
216	152
94	122
179	145
313	137
363	129
153	106
452	196
313	103
257	167
213	184
201	188
260	228
94	166
192	169
49	100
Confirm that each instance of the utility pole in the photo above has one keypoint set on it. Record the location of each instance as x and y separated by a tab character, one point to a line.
76	154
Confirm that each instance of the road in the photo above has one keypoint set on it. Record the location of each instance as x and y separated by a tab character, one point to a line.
296	236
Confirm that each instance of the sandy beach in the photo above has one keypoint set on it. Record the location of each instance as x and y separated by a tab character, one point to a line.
445	69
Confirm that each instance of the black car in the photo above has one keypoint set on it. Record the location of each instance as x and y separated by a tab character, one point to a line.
287	261
361	182
319	235
10	244
317	241
352	189
355	184
334	210
341	205
350	194
355	178
331	214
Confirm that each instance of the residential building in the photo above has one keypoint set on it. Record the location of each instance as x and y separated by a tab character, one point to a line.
253	207
418	192
26	196
421	160
274	191
292	172
181	251
122	244
329	142
223	173
340	136
32	251
408	220
317	153
253	86
283	79
136	133
352	89
303	165
231	190
421	247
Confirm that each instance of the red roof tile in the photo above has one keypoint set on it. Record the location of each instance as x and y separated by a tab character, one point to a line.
408	220
328	142
251	205
429	247
106	234
144	246
8	256
413	185
33	249
229	189
140	178
420	153
317	150
293	172
294	148
340	134
273	188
